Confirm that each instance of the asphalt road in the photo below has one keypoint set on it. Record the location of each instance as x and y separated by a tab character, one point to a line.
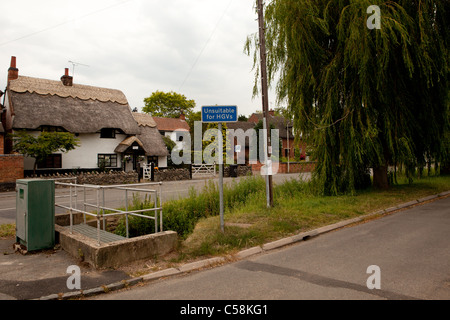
410	247
116	198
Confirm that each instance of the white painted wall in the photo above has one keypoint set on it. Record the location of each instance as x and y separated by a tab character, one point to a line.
162	162
85	156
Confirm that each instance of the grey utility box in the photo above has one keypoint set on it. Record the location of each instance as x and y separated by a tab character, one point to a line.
35	213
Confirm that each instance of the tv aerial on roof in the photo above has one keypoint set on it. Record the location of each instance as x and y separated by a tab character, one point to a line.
76	64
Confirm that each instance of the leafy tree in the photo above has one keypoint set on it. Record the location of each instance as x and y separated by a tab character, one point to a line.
170	144
242	117
282	112
210	142
191	119
169	105
363	98
45	144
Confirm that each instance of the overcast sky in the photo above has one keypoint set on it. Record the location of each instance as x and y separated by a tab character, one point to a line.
191	47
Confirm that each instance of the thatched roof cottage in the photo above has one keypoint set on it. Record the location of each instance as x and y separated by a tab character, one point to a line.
149	140
101	118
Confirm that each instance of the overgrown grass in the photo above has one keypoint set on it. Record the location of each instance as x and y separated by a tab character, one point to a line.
182	215
137	226
248	222
296	209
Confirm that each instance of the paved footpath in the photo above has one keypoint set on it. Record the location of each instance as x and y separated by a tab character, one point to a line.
40	274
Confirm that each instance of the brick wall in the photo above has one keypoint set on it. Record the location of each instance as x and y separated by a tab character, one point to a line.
294	167
11	168
2	141
297	167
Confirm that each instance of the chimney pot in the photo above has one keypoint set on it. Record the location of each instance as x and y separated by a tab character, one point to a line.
13	72
66	79
13	62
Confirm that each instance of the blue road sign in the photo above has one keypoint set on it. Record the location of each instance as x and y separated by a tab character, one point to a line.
212	114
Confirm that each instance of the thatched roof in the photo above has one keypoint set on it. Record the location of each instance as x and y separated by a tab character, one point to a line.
56	88
128	142
77	109
144	120
150	137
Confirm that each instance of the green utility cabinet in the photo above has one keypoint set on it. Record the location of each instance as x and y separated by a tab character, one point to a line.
35	213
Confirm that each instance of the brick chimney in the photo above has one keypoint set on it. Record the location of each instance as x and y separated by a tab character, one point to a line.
182	116
13	72
66	79
272	112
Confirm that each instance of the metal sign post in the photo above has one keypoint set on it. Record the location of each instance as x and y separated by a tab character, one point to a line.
220	114
222	223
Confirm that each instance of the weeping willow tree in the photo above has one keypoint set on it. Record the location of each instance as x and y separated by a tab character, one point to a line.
362	98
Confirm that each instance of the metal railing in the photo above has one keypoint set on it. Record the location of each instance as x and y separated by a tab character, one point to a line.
58	183
100	208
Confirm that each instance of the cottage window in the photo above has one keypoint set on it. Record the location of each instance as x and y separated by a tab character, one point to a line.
53	161
287	152
153	160
107	160
108	133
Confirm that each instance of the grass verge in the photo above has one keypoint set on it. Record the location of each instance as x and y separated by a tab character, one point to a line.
296	209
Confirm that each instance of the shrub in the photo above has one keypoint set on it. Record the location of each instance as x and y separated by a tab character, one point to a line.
137	226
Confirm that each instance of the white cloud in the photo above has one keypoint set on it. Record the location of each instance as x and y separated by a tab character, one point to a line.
137	46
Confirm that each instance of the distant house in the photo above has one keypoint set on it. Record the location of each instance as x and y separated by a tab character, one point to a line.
242	151
100	118
173	128
290	148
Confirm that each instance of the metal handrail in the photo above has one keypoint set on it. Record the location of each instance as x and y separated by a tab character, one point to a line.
100	212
